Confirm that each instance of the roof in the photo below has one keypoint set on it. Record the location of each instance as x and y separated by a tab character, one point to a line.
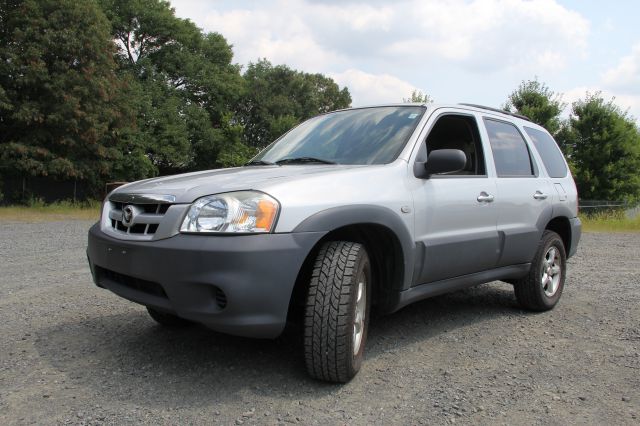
458	105
475	107
501	111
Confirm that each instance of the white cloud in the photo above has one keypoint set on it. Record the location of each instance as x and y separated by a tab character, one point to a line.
281	38
192	9
490	35
370	89
478	34
626	75
377	48
621	82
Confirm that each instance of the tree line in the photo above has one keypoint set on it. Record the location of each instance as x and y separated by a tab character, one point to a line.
119	90
600	140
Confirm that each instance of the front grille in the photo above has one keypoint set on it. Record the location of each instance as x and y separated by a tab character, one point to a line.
145	221
144	286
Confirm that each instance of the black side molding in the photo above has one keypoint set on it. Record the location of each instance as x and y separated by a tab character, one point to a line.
424	291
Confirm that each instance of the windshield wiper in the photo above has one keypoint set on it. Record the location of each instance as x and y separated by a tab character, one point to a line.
304	160
260	163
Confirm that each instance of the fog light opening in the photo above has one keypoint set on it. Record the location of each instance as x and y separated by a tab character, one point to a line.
221	298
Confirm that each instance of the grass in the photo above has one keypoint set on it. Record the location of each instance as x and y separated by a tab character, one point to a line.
38	211
609	221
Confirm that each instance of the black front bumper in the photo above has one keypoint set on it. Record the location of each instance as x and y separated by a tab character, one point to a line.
234	284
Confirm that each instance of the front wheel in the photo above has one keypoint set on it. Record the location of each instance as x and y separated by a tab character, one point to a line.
542	287
337	311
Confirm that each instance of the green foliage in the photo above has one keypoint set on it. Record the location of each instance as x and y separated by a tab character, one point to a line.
418	97
536	101
60	99
605	150
120	90
277	98
143	27
601	142
185	84
195	110
235	154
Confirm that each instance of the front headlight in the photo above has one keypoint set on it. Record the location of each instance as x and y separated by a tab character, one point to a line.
242	211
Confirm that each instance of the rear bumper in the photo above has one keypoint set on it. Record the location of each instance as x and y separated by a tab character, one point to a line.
576	232
234	284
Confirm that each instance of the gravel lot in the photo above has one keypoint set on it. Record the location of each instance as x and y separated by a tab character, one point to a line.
73	353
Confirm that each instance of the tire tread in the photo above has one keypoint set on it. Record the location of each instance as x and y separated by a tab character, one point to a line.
326	323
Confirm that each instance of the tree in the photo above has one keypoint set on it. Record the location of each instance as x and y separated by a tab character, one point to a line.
605	150
61	103
185	80
418	97
536	101
277	98
123	89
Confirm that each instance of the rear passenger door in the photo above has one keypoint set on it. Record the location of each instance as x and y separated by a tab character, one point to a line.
523	198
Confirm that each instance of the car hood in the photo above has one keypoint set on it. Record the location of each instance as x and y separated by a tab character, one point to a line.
189	186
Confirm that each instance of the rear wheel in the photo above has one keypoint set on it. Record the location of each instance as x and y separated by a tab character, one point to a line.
337	311
166	319
542	287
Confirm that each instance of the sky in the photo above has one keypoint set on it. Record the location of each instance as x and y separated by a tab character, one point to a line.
474	51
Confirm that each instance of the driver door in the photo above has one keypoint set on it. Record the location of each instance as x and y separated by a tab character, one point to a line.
455	213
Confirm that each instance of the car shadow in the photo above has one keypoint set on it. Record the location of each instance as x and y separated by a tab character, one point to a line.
128	357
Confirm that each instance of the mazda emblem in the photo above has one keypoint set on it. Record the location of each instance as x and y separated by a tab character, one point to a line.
128	213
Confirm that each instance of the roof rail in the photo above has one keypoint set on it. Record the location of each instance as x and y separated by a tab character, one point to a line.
501	111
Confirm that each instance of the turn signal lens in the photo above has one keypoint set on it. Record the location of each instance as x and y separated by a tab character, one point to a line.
266	214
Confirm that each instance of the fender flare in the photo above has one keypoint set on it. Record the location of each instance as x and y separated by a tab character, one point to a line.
338	217
574	227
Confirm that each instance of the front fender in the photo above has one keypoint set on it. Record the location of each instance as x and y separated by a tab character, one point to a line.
338	217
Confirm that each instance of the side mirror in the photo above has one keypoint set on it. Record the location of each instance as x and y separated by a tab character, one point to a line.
442	161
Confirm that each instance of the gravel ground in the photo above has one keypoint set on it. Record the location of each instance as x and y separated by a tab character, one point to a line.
71	353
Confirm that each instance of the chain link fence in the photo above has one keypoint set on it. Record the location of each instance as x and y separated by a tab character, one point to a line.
592	207
46	189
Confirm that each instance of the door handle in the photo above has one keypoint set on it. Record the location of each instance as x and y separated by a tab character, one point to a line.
485	198
540	195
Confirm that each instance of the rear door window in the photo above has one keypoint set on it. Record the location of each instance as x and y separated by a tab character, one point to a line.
549	151
510	152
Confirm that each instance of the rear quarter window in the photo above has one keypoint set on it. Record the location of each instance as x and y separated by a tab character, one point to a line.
549	151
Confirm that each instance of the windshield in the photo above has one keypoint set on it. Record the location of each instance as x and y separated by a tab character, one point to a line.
358	136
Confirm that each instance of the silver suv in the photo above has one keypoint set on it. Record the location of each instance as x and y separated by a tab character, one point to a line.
351	211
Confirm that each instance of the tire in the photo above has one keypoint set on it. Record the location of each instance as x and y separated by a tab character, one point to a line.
542	287
337	311
168	320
